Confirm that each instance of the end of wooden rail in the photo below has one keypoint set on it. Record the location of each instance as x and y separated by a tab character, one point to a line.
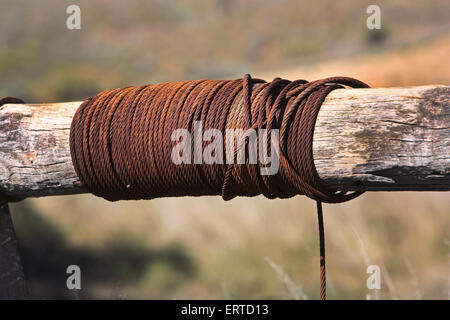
385	139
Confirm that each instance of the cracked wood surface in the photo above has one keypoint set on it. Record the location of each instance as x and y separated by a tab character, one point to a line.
365	139
385	139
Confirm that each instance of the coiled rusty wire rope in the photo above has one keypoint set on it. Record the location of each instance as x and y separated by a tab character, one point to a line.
121	144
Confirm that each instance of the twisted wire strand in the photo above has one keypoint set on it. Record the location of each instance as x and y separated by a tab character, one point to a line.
323	274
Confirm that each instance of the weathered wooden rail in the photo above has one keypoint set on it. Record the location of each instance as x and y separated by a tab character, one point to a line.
365	139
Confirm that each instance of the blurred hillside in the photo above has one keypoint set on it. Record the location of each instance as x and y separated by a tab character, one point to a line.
422	64
205	247
135	42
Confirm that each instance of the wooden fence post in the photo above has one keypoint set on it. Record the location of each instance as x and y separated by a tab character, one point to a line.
12	279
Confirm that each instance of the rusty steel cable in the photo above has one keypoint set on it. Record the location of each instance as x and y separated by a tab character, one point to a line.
121	140
323	279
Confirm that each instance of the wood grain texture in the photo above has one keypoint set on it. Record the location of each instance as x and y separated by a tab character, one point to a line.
34	149
365	139
385	139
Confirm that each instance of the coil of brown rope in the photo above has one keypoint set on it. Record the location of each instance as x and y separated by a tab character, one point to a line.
122	141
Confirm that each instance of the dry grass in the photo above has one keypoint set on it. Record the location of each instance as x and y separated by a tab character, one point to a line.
204	247
419	65
227	242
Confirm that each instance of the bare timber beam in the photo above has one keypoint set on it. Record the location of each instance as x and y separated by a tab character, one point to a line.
389	139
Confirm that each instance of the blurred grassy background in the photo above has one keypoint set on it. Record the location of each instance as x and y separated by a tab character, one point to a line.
206	248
